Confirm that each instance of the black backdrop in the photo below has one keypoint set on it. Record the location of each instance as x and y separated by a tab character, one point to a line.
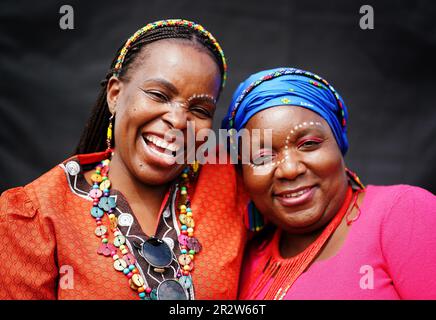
50	77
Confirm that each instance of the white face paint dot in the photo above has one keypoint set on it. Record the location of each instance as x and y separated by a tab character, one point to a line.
304	123
311	123
300	126
296	128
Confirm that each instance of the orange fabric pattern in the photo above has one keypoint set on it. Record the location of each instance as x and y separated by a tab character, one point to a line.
48	236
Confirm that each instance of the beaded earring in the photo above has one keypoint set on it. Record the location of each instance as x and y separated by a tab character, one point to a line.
354	178
255	219
194	168
109	133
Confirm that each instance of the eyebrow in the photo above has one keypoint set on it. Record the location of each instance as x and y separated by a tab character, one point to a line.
163	83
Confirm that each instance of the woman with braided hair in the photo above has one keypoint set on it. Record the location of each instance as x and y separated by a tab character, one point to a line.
127	217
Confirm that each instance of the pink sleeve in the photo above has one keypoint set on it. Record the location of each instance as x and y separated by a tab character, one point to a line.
408	240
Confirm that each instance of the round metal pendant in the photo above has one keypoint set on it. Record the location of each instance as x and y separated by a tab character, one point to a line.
171	290
157	252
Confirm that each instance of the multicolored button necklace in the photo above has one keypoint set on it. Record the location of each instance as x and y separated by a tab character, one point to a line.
153	248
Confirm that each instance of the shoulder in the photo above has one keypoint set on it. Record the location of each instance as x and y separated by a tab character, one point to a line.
398	195
26	201
222	181
402	206
398	189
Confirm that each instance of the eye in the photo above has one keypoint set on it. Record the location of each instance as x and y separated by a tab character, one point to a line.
201	112
262	158
157	96
309	143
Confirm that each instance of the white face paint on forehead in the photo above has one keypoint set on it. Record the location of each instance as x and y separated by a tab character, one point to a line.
302	125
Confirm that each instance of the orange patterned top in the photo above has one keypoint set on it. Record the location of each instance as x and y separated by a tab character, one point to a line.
49	249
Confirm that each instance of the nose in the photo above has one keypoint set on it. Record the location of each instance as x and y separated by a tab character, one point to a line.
176	117
290	167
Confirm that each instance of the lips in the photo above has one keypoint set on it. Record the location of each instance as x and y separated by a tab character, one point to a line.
294	197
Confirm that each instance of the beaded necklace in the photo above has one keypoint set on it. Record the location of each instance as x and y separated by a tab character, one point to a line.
123	260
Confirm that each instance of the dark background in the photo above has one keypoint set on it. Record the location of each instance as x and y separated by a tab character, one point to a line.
50	77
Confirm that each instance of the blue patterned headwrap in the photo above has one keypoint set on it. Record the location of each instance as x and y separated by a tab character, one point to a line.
288	86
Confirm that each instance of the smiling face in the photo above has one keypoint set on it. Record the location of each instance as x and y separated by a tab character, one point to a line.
302	182
170	83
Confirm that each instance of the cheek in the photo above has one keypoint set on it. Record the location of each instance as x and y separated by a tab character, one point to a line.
328	165
256	184
133	114
203	132
201	125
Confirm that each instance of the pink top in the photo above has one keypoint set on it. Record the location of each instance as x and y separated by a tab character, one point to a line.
389	252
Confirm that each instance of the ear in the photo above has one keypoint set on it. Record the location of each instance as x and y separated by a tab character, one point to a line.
113	90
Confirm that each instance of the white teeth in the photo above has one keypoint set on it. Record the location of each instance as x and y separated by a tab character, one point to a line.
295	194
161	143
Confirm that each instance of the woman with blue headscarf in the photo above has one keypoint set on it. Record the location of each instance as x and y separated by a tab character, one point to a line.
327	236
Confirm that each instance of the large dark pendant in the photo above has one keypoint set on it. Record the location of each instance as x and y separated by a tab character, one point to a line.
156	252
171	290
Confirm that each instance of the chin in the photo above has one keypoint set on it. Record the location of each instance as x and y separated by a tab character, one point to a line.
156	176
301	221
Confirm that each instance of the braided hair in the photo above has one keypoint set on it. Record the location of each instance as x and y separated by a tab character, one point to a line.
93	138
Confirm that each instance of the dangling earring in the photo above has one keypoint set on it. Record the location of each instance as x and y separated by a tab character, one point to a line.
194	168
355	178
255	221
109	133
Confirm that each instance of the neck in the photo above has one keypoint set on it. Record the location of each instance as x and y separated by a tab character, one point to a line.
292	244
137	193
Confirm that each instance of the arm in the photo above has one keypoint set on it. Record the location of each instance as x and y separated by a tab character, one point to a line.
27	249
409	243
